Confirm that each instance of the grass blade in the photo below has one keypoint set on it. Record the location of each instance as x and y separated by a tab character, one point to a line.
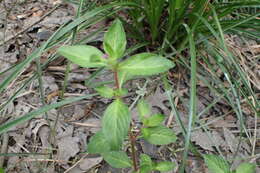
5	127
193	97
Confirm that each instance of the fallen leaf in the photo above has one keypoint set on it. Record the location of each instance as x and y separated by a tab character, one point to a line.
157	100
149	149
88	163
207	141
44	134
92	124
232	141
68	147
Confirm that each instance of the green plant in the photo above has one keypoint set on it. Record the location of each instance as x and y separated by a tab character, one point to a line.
160	22
217	164
116	122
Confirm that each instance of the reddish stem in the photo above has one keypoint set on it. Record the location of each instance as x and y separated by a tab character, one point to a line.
134	157
116	79
132	137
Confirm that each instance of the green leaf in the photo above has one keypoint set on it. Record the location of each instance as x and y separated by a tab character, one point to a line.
146	164
143	109
105	91
2	170
123	77
145	64
145	169
115	40
98	144
154	120
159	135
216	164
246	168
121	92
115	124
145	160
164	166
85	56
117	159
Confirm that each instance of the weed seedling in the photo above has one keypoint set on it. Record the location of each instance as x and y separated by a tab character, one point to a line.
116	121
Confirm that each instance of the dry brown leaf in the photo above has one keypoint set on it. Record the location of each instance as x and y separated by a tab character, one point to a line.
44	133
207	141
68	147
149	149
92	124
36	125
223	123
157	100
195	165
232	141
88	163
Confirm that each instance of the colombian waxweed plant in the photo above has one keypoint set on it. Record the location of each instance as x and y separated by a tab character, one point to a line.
217	164
117	129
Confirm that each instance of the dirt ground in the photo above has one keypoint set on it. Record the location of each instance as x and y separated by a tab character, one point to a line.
57	141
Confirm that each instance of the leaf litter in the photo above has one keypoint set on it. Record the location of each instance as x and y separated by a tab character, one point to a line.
75	126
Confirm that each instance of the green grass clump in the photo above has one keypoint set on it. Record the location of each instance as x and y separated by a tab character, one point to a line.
190	33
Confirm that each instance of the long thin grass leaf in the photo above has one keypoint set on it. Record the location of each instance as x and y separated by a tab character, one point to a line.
193	97
6	126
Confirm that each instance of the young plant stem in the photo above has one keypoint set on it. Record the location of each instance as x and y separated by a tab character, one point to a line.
133	143
132	137
116	79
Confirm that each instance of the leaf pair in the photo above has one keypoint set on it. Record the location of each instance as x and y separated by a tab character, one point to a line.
147	165
143	64
144	111
108	92
154	132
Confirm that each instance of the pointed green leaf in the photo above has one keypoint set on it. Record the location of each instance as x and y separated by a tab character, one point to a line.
105	91
246	168
2	170
216	164
115	40
159	135
145	169
120	92
144	109
123	77
117	159
146	164
145	64
98	144
154	120
164	166
85	56
115	123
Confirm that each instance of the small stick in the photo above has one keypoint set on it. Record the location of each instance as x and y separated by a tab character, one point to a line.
4	148
73	166
134	157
